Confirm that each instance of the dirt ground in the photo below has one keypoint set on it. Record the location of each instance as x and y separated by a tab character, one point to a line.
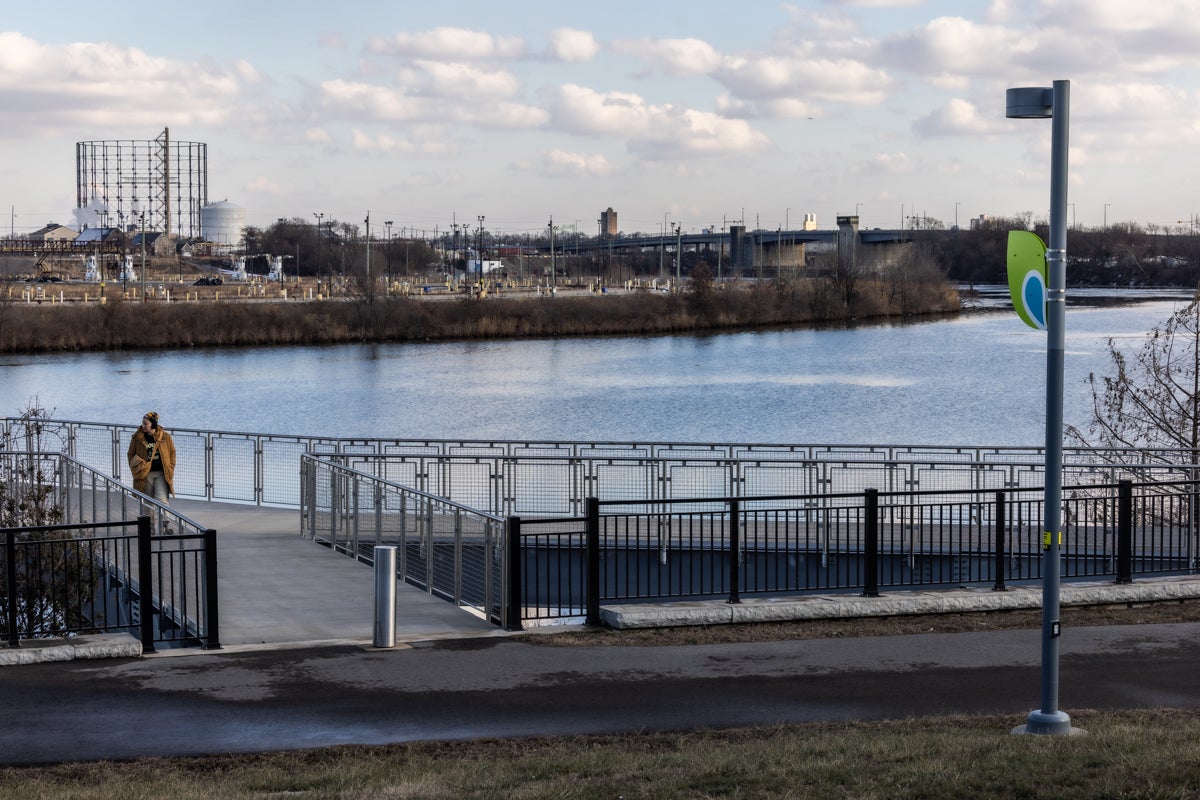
1123	614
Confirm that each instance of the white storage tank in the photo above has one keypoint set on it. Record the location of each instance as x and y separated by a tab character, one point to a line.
223	224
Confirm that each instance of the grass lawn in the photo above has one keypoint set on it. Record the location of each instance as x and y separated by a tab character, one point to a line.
1142	754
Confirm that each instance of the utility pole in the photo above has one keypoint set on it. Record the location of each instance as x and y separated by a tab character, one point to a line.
553	274
367	221
143	238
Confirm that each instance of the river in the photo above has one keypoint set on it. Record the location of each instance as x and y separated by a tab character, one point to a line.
978	379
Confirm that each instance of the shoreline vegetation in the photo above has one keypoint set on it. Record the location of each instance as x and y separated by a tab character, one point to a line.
120	324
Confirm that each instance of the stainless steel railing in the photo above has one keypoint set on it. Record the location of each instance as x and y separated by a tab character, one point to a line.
445	548
263	468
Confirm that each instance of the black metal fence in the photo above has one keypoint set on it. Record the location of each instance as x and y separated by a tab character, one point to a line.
623	551
65	580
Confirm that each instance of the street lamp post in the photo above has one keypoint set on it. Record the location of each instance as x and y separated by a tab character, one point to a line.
678	252
479	252
1055	103
388	252
279	231
320	215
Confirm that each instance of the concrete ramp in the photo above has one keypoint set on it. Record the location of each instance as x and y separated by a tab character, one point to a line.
279	588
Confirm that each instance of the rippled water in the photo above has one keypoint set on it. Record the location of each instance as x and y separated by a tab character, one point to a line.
976	379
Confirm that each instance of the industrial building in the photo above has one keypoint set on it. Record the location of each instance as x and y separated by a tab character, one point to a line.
121	182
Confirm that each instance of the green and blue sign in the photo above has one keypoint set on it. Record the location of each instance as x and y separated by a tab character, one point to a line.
1027	277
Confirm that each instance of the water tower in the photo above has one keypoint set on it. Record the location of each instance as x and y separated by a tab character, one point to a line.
223	224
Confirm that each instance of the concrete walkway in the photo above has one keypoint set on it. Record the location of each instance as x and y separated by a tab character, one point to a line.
221	702
278	588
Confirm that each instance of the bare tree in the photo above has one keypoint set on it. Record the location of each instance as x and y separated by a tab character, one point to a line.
55	577
1151	401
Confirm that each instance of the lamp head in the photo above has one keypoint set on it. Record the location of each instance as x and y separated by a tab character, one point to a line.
1029	102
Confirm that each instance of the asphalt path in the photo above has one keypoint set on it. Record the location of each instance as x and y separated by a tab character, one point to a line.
282	699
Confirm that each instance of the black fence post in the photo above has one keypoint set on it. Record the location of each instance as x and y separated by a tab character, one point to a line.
871	543
512	557
1125	531
1001	532
735	550
212	641
145	584
10	557
593	561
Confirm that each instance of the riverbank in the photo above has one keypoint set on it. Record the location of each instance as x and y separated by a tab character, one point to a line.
119	324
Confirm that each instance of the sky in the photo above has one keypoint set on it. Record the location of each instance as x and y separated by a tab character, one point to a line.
692	113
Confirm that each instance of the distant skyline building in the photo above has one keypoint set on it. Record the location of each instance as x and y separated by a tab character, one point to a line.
608	222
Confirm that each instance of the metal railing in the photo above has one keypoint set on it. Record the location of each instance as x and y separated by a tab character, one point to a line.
160	582
549	477
726	547
462	511
445	548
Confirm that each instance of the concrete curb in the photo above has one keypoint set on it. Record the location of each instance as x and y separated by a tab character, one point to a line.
101	645
781	609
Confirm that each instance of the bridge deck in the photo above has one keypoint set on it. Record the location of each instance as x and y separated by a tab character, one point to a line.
278	588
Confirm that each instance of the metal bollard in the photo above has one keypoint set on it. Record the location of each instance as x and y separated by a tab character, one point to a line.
385	596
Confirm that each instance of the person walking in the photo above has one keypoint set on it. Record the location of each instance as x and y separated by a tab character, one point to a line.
151	458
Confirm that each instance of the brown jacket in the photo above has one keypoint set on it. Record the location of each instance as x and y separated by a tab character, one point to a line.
139	458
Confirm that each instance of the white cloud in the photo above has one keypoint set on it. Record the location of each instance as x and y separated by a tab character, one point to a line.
1118	17
880	3
449	44
673	56
569	44
105	85
266	185
317	136
563	164
247	71
656	132
777	77
957	118
1001	12
459	80
380	143
788	108
888	163
1156	105
697	133
949	46
371	102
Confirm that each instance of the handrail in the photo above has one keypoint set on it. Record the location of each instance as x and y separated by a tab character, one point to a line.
182	568
261	468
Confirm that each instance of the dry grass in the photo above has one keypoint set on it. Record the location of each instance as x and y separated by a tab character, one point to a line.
1071	616
121	325
1139	754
